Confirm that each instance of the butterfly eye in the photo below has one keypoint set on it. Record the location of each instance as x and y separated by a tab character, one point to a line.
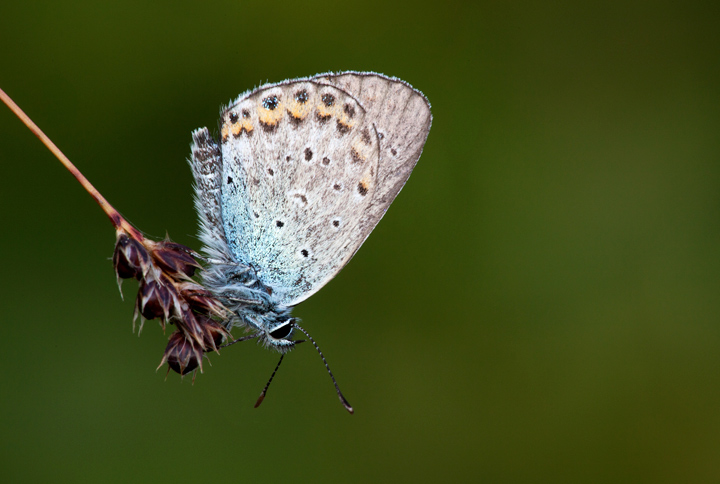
282	331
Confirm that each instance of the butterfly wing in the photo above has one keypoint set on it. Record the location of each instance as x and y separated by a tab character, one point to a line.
308	168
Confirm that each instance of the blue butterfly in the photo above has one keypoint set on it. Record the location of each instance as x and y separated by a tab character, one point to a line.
302	172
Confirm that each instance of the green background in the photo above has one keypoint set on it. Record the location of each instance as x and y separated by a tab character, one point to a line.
540	304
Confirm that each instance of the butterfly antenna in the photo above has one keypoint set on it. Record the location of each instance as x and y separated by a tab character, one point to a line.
264	391
344	401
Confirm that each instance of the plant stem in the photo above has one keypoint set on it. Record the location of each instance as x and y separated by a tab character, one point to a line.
117	220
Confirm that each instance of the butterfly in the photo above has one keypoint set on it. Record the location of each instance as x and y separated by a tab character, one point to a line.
301	173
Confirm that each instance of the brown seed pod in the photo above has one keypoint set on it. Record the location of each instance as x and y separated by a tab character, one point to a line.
175	258
181	354
154	300
130	258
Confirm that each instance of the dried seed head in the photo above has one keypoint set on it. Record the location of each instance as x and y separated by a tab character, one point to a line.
181	354
202	300
168	293
175	258
214	334
155	299
130	258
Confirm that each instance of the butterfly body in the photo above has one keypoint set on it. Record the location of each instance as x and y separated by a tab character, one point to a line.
302	172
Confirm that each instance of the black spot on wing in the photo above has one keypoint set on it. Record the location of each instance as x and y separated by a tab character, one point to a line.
342	128
322	118
270	103
294	121
365	136
270	127
301	96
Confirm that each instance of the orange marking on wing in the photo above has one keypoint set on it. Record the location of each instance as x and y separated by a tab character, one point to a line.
298	110
244	125
268	116
336	111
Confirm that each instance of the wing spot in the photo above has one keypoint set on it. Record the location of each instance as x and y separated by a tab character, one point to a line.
322	118
305	252
342	128
326	161
349	110
234	118
336	223
365	134
279	223
301	96
362	188
271	172
269	127
356	157
393	151
302	198
296	121
287	158
308	154
257	215
229	180
245	113
270	102
328	99
337	187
